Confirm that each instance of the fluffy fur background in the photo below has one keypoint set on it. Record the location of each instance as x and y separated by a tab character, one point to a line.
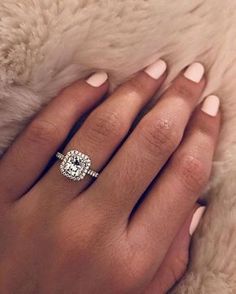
47	44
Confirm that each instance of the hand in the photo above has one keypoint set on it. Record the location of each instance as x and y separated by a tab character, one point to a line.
129	230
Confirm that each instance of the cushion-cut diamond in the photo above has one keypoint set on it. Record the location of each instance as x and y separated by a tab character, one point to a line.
75	165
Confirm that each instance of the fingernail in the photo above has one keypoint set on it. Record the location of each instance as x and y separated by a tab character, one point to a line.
97	79
211	105
195	72
156	69
196	219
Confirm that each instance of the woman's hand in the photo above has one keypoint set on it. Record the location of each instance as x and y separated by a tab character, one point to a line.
128	231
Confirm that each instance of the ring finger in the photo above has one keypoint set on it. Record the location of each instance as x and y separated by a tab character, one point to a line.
105	128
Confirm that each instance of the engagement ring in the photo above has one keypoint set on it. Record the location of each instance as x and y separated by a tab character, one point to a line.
76	165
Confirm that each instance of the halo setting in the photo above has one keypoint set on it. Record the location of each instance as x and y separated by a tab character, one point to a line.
75	165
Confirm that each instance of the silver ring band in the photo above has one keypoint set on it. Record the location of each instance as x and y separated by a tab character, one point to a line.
76	165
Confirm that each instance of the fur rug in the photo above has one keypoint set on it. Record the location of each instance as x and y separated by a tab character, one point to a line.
47	44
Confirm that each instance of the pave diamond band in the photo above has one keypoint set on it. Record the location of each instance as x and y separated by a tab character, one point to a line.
76	165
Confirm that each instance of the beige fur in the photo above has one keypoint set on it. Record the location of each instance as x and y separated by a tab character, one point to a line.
47	44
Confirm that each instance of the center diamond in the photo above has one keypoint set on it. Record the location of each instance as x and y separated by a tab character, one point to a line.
75	165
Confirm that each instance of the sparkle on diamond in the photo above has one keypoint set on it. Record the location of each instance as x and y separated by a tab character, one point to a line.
75	165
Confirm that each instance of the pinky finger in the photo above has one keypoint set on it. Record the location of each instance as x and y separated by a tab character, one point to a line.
176	261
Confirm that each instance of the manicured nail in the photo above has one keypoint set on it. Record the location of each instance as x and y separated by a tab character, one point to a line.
97	79
195	72
196	219
156	69
211	105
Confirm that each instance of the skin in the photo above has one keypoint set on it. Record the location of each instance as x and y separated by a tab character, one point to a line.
60	236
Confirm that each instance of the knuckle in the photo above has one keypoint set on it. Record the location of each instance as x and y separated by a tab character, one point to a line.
193	173
42	132
179	266
128	267
181	262
70	240
108	124
124	276
183	89
70	246
160	136
208	132
137	86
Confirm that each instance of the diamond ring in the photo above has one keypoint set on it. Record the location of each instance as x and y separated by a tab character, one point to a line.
76	165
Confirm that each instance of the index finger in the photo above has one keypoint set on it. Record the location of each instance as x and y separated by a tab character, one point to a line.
28	156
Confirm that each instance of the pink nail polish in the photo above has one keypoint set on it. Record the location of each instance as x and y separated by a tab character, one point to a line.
196	219
157	69
97	79
195	72
211	105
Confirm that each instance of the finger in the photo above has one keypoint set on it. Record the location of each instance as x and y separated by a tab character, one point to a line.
106	127
150	145
30	153
174	194
175	262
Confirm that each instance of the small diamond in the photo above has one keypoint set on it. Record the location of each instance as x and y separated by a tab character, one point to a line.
75	165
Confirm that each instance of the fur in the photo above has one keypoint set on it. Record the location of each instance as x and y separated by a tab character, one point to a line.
47	44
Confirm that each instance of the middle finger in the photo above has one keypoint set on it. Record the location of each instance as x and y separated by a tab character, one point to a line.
151	144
